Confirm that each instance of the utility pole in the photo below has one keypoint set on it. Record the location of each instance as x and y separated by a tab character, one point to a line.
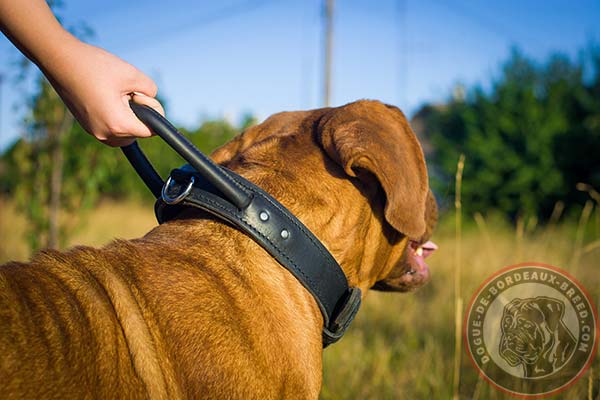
328	48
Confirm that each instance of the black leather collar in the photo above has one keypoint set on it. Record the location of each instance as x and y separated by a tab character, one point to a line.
205	185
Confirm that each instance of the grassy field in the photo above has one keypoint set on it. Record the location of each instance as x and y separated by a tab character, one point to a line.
402	346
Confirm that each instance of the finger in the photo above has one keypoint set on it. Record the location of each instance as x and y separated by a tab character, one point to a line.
141	98
132	126
143	84
118	141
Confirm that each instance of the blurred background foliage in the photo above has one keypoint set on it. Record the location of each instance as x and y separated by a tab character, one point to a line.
88	171
103	171
528	139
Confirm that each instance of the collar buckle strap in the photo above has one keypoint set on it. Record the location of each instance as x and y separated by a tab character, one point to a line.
338	325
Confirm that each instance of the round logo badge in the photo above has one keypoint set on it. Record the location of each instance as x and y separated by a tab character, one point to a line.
531	330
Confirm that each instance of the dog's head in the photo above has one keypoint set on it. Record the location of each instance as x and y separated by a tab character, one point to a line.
529	329
356	176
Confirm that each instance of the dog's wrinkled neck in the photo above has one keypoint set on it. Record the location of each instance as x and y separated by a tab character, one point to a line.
344	213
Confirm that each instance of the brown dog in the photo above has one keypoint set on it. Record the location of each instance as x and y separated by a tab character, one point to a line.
196	309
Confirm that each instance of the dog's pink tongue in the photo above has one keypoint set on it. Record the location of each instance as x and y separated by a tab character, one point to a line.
429	248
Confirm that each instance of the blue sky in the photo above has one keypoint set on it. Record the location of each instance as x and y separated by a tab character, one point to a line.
223	59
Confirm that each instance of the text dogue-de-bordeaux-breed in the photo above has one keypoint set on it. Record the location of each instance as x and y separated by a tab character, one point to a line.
195	308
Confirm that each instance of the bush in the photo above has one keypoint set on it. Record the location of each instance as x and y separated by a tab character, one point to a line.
528	140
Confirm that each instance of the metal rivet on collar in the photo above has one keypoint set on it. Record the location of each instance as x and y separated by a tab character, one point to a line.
285	234
264	216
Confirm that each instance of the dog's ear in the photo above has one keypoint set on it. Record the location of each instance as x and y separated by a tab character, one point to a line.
552	309
376	137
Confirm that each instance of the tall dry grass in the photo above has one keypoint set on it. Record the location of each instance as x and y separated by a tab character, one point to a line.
458	299
402	346
107	221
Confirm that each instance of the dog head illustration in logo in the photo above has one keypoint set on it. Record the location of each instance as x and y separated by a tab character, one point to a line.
535	336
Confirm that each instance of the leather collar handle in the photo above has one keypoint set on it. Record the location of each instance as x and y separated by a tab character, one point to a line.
143	168
232	191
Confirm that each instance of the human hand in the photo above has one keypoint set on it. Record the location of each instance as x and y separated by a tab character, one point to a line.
93	83
97	86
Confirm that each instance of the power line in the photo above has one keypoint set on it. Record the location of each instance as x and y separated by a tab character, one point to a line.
198	22
484	22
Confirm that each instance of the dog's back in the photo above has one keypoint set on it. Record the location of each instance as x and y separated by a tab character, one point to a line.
147	318
70	325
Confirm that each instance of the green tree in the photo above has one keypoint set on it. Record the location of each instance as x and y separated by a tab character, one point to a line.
89	170
40	194
523	137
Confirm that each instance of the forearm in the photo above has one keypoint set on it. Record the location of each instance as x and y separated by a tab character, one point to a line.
33	28
101	105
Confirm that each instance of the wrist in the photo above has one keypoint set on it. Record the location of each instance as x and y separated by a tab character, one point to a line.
58	53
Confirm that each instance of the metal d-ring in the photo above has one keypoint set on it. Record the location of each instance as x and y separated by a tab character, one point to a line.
174	200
